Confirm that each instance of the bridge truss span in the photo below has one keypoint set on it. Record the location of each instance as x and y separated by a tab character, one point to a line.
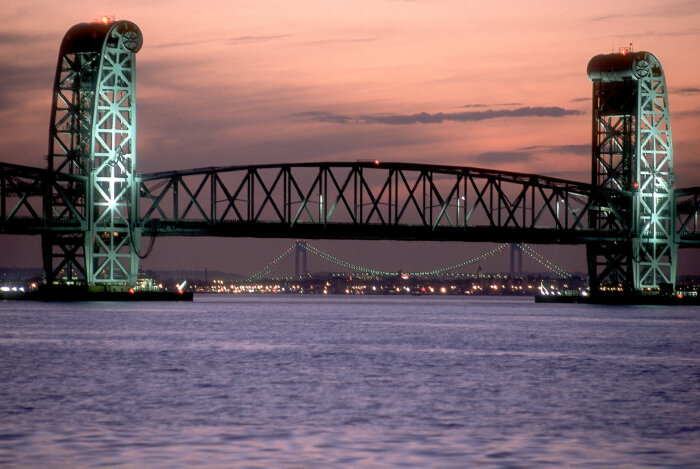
372	200
22	193
687	216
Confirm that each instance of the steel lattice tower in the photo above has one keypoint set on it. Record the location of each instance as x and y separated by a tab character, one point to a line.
633	153
92	137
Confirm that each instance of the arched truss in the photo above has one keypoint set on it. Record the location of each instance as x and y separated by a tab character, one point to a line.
372	200
632	151
92	139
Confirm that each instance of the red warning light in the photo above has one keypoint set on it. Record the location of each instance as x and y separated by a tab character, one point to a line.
635	185
376	162
131	290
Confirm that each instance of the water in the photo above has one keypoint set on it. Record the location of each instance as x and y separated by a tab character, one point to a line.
299	381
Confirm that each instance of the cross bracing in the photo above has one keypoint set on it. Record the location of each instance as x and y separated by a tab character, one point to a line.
375	201
430	202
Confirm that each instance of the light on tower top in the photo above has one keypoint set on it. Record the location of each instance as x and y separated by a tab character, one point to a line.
106	19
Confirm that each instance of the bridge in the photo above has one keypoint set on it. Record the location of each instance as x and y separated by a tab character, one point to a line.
93	211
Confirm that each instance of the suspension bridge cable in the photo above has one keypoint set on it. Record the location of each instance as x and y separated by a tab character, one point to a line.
527	249
268	268
427	273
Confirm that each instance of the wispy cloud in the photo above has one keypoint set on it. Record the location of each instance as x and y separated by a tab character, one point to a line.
249	39
688	113
343	40
479	105
183	43
18	80
232	40
669	10
504	157
569	149
529	154
439	117
688	90
10	38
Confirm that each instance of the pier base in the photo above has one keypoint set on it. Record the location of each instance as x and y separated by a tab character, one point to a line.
621	299
82	293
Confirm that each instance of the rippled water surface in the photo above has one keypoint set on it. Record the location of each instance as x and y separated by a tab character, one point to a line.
299	381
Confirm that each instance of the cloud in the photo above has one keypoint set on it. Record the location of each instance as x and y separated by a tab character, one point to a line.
183	44
669	10
688	90
321	116
17	81
23	39
341	40
471	106
439	117
249	39
575	149
529	154
233	40
499	157
688	113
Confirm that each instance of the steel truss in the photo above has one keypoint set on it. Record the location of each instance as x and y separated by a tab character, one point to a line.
22	190
687	216
92	140
632	151
369	200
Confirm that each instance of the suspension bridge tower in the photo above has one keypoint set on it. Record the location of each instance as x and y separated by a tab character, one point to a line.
300	266
92	144
632	153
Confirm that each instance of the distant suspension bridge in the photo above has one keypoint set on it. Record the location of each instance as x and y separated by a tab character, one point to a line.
300	248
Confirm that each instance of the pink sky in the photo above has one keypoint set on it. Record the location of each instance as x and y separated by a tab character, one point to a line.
246	82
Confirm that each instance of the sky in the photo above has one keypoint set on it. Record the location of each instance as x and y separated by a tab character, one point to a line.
499	84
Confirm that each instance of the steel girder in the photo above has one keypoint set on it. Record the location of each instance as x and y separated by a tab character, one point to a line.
92	137
633	152
377	201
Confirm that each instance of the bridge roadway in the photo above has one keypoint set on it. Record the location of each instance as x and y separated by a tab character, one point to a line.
360	200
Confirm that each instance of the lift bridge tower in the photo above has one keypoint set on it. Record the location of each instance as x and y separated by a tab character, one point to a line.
92	140
633	153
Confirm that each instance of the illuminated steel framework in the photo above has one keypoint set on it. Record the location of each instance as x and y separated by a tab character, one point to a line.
92	139
633	154
367	200
91	209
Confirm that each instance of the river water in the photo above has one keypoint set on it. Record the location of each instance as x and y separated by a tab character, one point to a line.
308	381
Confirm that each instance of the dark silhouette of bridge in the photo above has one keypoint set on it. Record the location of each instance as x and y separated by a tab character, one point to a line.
93	210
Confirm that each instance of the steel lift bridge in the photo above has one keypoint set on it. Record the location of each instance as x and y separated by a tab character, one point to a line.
92	210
